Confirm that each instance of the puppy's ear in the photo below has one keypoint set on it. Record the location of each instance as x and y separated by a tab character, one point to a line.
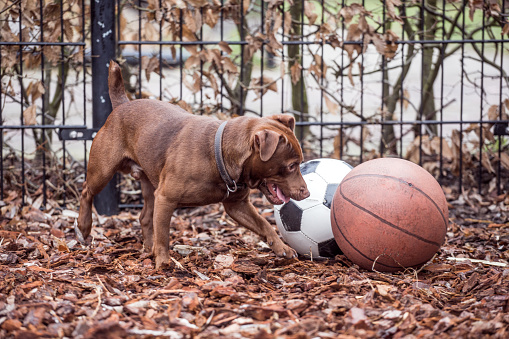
285	119
266	141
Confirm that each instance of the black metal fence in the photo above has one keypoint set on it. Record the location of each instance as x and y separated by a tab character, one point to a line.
37	49
426	81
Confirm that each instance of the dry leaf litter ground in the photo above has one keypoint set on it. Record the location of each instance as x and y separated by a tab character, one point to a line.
224	282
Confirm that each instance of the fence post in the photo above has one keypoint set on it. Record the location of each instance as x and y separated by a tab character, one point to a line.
103	50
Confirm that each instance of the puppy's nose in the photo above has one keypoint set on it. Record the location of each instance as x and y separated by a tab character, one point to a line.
304	193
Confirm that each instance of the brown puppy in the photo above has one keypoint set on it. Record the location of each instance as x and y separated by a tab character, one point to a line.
174	155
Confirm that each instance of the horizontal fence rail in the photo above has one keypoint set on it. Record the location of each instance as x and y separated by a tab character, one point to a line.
298	43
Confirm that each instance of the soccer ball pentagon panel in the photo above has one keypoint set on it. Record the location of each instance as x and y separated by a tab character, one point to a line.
305	225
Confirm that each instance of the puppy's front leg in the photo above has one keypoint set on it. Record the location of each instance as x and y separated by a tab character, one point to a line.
163	210
246	214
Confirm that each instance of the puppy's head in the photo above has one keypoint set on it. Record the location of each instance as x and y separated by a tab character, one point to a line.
274	162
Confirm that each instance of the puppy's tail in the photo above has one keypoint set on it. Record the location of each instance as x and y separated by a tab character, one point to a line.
116	85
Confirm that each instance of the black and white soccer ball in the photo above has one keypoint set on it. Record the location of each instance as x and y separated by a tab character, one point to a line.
306	225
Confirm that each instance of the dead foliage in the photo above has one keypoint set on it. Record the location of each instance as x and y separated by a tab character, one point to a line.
224	282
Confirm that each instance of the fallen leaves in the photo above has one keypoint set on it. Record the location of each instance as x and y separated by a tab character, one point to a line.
224	283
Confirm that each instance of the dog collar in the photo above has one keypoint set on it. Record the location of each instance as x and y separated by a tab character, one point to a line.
231	185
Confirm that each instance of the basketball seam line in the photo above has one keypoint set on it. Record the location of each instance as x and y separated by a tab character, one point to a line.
409	184
355	248
387	222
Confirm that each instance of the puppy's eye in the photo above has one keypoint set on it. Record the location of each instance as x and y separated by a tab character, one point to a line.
292	167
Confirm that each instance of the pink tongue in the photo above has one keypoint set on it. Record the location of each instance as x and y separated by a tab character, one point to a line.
281	196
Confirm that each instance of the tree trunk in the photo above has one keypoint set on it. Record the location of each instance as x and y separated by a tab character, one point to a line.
427	106
299	94
240	92
52	107
387	144
429	71
394	98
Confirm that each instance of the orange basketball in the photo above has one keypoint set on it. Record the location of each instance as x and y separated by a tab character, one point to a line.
389	214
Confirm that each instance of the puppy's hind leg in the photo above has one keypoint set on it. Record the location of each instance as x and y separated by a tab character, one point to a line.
147	213
105	159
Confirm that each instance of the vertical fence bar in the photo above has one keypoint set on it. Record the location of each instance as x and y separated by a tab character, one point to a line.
83	39
421	106
499	164
382	111
321	82
161	54
401	90
1	136
342	82
262	52
301	118
62	83
481	109
43	115
283	60
241	80
138	96
140	76
103	50
441	126
181	57
221	28
361	137
201	65
462	85
22	99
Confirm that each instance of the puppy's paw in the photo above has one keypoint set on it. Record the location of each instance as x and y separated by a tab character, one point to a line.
147	246
290	253
283	250
79	235
162	262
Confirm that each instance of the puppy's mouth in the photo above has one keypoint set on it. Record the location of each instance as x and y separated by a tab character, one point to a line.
273	193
